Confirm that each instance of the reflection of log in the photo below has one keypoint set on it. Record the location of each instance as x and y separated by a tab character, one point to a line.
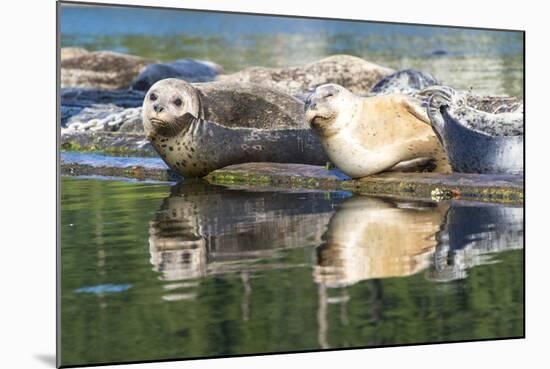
471	233
377	238
203	229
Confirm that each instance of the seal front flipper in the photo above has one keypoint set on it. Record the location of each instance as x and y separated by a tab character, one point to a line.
416	110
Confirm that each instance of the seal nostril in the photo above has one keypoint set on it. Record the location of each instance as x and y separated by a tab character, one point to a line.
158	108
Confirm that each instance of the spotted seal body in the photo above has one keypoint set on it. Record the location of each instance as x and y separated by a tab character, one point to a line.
477	141
369	135
406	82
203	127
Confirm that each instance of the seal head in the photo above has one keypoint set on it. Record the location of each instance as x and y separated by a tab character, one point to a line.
328	109
169	106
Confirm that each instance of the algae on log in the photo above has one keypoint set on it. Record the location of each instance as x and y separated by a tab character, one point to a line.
477	187
127	144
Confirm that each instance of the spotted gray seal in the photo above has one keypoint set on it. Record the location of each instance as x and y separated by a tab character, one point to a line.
369	135
477	141
406	82
203	127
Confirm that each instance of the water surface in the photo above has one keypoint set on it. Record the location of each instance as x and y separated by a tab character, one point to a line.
487	61
159	271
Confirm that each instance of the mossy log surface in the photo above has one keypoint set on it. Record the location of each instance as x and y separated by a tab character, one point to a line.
127	144
477	187
140	168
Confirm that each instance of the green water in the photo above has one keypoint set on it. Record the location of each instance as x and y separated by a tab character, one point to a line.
156	271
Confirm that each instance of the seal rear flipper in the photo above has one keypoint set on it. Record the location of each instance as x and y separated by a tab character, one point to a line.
414	165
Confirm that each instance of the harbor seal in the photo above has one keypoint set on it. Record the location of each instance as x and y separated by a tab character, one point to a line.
369	135
406	82
203	127
477	141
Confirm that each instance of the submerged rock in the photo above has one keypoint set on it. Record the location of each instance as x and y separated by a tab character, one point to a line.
353	73
187	69
100	69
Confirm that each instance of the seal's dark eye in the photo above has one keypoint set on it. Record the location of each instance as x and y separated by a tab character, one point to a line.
152	97
178	102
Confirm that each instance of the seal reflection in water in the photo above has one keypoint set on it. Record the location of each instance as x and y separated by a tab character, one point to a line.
372	237
471	235
204	230
203	127
369	135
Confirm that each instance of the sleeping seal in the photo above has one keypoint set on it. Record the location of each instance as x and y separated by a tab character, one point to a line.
203	127
369	135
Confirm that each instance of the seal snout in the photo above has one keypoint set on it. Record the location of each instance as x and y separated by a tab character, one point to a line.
158	108
319	107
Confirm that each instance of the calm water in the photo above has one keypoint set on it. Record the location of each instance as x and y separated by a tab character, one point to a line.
487	61
157	271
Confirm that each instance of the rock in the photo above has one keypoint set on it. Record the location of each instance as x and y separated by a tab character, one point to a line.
187	69
353	73
83	97
141	168
101	103
105	117
115	142
406	82
132	123
100	69
71	52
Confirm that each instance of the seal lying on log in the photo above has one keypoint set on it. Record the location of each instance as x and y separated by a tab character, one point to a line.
369	135
203	127
476	139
